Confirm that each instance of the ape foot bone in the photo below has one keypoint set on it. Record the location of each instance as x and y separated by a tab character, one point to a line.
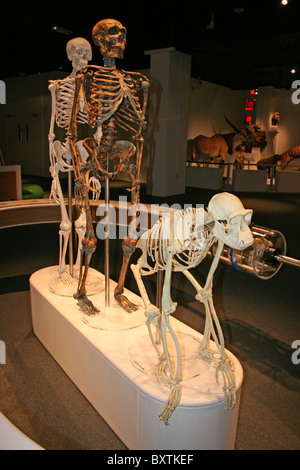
86	305
225	368
126	303
171	404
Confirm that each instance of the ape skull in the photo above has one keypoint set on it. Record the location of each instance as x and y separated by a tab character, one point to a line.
231	221
79	52
110	36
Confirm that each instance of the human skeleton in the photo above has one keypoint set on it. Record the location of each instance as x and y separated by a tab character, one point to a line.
62	91
112	105
179	241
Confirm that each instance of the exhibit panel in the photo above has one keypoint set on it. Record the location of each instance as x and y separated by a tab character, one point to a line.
288	182
247	180
10	182
208	178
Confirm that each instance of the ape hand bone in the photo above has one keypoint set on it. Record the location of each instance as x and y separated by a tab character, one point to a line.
178	242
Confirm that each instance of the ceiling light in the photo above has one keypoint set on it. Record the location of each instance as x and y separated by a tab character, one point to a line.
284	2
293	71
61	30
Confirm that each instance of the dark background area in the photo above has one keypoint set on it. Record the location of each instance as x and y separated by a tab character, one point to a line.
236	43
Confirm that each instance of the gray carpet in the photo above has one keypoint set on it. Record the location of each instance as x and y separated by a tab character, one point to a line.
260	320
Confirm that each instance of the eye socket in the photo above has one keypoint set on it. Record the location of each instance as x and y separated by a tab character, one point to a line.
235	220
113	30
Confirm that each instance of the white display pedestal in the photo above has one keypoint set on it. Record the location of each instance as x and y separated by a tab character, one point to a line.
99	362
11	438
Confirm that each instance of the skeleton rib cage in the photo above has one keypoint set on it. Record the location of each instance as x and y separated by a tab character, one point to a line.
110	92
189	236
65	93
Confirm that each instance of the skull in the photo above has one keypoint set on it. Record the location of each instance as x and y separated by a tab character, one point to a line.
231	221
110	35
79	51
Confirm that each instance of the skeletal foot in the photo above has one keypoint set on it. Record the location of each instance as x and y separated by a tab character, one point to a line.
86	305
225	369
126	303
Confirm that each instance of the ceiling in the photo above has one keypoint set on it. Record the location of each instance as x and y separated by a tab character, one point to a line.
240	44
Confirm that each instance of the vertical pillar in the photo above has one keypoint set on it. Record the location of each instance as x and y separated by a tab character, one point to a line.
170	73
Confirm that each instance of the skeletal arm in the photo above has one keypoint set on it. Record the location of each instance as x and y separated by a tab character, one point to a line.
213	329
52	88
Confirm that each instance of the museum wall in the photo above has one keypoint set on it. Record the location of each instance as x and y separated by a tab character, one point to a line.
208	105
24	120
271	100
210	102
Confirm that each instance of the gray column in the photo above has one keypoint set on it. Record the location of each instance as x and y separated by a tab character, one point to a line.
170	75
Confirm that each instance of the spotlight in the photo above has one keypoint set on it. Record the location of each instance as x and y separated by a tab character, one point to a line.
293	71
59	29
284	2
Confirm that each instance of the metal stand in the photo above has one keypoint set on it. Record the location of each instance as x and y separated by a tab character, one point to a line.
160	278
70	212
106	259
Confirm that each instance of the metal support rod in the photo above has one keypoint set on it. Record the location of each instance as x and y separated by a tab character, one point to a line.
287	260
160	277
70	214
106	254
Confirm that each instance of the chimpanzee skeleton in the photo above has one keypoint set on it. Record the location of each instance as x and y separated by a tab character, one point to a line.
179	241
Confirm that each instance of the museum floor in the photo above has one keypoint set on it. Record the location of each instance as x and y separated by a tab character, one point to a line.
260	320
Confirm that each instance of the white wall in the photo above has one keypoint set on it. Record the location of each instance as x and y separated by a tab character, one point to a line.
269	101
210	102
208	105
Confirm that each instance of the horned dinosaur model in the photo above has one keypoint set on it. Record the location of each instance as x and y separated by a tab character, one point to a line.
179	241
217	146
113	105
283	159
62	91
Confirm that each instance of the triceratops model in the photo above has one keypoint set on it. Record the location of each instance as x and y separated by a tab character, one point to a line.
179	241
